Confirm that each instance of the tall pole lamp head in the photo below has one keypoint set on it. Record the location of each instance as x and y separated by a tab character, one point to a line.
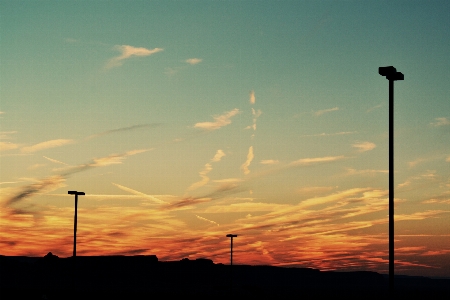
391	73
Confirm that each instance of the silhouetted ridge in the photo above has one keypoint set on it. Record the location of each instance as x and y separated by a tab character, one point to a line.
131	276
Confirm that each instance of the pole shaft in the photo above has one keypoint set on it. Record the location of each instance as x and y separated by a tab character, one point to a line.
391	186
231	252
75	227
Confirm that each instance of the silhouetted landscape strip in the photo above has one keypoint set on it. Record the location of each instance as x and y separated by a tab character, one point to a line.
146	275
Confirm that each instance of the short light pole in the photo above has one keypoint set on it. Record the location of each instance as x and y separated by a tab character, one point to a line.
75	220
392	75
231	249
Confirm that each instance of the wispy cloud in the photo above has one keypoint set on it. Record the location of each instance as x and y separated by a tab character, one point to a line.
323	111
244	207
207	220
193	61
4	146
256	114
203	173
6	134
46	145
137	193
247	163
252	97
36	166
315	189
129	128
205	179
415	162
351	171
315	160
330	134
55	161
364	146
114	158
129	51
41	186
374	107
269	162
220	121
54	182
430	177
438	122
218	156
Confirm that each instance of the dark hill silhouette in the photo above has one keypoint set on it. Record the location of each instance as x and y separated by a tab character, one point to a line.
130	277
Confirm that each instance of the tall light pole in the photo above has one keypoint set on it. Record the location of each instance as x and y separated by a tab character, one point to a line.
75	220
392	75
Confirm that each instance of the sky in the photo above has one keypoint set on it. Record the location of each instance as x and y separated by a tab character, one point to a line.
184	121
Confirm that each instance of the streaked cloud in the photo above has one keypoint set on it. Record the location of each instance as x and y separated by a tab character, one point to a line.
205	179
129	51
256	114
114	158
6	134
252	97
438	122
55	161
403	184
8	182
207	220
220	121
137	193
323	111
315	189
193	61
47	145
269	162
36	166
45	185
244	207
315	160
203	173
415	162
218	156
5	146
247	163
129	128
435	201
374	107
54	182
364	146
351	171
329	134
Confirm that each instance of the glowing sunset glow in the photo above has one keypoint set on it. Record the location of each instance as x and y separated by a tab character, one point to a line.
184	121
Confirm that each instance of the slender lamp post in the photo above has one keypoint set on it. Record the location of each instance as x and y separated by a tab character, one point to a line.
75	220
231	236
392	75
231	249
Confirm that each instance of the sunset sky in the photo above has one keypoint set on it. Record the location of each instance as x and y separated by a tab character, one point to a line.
184	121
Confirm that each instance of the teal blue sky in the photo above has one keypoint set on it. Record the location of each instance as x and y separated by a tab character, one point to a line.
237	116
